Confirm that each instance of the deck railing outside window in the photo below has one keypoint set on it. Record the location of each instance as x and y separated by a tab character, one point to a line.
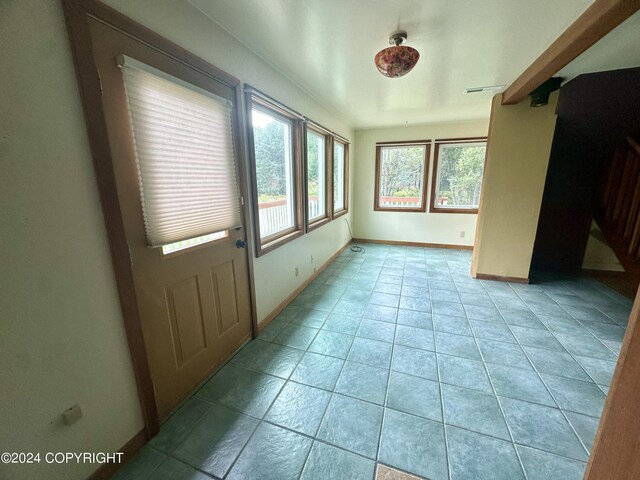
274	215
400	201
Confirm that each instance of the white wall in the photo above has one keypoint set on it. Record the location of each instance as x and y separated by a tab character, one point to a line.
61	334
62	339
441	228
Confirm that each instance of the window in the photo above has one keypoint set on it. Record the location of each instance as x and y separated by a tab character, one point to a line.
340	177
274	172
193	242
317	162
457	175
401	170
291	170
275	167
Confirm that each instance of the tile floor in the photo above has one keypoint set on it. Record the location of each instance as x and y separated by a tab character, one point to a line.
396	356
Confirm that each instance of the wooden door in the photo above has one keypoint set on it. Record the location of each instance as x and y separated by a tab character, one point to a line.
194	304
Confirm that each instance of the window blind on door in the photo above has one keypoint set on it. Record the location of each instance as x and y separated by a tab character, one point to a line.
183	141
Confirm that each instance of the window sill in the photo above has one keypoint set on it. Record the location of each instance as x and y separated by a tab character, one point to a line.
472	211
396	210
264	248
318	223
340	213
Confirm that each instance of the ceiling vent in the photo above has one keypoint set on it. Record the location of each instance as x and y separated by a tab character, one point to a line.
490	89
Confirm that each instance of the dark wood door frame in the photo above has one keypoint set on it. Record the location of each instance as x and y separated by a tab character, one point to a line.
77	15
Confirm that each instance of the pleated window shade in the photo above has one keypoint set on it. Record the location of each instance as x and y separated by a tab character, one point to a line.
183	140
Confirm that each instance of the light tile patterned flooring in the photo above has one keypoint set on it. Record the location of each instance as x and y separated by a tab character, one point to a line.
397	356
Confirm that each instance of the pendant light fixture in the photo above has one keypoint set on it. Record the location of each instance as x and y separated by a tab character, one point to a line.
396	61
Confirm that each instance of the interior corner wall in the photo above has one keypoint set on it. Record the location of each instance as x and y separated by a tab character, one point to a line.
518	150
62	339
435	228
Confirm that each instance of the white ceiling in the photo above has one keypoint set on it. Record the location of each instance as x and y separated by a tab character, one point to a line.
619	49
327	48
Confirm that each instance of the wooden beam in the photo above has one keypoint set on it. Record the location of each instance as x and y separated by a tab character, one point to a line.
600	18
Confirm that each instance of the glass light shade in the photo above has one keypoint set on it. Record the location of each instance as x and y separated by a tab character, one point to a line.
396	61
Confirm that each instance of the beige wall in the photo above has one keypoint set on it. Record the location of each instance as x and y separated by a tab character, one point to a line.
62	339
441	228
515	172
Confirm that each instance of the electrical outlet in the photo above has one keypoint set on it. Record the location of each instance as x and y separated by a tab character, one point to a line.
312	259
462	233
297	271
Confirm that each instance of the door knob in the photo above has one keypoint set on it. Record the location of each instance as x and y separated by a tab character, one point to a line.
241	244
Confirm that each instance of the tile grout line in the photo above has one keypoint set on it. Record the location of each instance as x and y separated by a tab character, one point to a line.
454	272
535	369
593	334
542	380
170	454
473	335
495	392
400	411
566	350
573	318
384	406
547	329
333	393
444	424
563	411
544	383
262	419
549	390
386	392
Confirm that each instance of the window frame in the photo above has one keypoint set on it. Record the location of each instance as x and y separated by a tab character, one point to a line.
328	175
423	196
345	178
434	177
255	98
